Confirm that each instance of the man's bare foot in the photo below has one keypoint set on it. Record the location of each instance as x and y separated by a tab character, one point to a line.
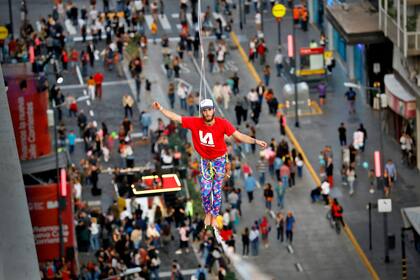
208	220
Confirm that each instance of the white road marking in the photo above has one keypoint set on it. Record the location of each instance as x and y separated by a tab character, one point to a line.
109	83
175	15
149	20
91	113
88	102
79	75
88	38
84	92
165	22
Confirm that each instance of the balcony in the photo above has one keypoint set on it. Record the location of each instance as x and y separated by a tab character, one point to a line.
391	22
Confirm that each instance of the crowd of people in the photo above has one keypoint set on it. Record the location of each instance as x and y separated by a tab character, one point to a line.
125	237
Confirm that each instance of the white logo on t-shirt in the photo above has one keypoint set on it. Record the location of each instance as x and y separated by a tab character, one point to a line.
206	140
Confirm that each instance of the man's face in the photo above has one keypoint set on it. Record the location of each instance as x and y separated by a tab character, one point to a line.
208	114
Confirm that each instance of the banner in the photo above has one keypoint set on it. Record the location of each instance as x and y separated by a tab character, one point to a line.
43	208
28	109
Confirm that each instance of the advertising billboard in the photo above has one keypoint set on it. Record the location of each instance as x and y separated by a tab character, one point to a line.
43	209
28	109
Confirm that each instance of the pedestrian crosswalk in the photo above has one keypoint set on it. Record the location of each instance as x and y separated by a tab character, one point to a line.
167	24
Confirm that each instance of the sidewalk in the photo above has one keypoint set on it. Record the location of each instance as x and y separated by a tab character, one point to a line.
322	130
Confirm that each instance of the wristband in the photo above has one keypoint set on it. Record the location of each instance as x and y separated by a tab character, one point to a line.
255	141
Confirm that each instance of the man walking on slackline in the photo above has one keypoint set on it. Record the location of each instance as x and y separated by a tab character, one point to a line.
208	134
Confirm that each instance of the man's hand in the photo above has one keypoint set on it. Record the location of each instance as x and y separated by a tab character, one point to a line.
261	143
156	105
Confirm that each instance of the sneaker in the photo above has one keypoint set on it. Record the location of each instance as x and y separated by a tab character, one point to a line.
178	252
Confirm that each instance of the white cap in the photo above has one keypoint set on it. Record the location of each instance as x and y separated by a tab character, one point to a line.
206	103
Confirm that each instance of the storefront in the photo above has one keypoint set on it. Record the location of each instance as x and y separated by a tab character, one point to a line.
401	113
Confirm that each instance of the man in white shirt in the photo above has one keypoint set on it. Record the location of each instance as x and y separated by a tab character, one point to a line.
278	60
124	214
325	191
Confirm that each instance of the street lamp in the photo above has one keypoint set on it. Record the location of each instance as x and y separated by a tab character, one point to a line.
240	15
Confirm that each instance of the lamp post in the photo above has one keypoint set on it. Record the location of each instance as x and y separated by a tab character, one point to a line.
295	75
240	15
11	18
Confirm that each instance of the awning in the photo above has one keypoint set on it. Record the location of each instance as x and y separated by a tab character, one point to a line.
400	100
43	164
411	217
356	23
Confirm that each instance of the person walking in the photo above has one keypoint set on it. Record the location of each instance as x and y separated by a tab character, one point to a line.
268	196
98	78
264	230
280	191
91	87
337	212
351	177
325	191
245	242
342	134
182	93
239	111
250	185
262	170
285	175
71	139
128	102
362	129
329	170
290	224
226	94
322	92
392	171
278	61
351	99
254	237
280	226
267	74
171	95
146	121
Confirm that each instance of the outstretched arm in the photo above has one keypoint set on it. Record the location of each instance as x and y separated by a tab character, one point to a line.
169	114
247	139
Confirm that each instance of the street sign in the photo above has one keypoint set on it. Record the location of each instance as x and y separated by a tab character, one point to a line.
328	54
278	11
384	205
3	32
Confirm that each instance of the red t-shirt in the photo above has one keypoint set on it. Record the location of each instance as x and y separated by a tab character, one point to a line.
209	141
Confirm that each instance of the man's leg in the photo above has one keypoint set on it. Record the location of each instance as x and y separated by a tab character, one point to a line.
206	181
219	175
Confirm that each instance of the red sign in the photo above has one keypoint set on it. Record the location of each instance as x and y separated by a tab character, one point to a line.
158	185
43	208
311	51
28	108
